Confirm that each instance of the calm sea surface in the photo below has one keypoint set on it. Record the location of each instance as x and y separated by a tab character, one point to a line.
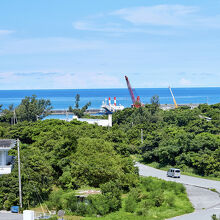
63	98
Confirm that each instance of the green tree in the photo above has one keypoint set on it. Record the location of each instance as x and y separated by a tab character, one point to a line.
77	99
7	114
96	162
31	108
77	111
113	194
155	103
36	177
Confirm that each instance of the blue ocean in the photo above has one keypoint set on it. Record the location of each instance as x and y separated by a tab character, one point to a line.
63	98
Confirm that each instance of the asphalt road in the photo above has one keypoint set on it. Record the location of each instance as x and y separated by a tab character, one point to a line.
189	180
205	202
10	216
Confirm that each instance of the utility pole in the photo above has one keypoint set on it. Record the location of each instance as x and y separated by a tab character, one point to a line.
19	174
142	141
14	118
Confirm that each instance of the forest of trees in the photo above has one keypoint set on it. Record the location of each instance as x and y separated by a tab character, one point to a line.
58	157
66	154
180	137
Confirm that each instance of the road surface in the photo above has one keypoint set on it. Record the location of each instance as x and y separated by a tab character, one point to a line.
205	202
4	215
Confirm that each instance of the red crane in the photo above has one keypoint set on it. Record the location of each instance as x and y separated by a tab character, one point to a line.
136	102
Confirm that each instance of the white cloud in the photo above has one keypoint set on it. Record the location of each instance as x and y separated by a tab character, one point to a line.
185	82
6	32
164	15
84	80
137	18
58	80
115	28
157	20
47	45
89	26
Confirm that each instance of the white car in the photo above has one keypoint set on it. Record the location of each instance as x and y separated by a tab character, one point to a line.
173	172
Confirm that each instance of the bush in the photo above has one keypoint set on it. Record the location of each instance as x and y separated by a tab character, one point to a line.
113	194
99	204
132	200
170	199
82	209
70	201
55	200
159	199
214	217
53	218
130	204
63	200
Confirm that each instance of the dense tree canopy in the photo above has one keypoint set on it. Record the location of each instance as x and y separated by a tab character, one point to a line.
30	109
66	154
189	139
71	155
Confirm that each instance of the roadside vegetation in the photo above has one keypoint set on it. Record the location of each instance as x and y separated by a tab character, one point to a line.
58	158
152	198
175	138
189	172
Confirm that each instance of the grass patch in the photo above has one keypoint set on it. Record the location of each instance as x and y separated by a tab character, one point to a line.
214	190
152	199
67	217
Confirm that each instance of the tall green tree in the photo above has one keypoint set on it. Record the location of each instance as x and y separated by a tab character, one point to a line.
36	177
77	99
77	111
7	114
31	108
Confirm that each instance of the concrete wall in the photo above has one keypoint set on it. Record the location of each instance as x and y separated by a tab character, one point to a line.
3	157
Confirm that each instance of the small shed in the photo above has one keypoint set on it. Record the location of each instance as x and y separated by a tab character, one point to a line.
83	194
6	161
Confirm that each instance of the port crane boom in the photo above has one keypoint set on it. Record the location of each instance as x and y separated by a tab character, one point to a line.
176	106
136	102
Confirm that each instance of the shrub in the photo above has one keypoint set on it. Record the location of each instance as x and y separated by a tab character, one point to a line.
113	194
159	199
55	200
170	199
135	193
82	209
132	200
130	204
214	217
70	201
99	204
53	218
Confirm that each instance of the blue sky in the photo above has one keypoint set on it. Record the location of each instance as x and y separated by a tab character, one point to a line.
68	44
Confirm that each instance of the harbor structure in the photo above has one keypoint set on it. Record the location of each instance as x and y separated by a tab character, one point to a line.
109	107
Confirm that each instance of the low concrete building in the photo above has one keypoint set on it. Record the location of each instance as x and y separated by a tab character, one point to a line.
99	122
6	161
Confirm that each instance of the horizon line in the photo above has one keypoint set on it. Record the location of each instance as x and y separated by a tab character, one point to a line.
188	87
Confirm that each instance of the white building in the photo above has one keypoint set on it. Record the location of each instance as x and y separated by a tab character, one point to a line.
5	159
99	122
